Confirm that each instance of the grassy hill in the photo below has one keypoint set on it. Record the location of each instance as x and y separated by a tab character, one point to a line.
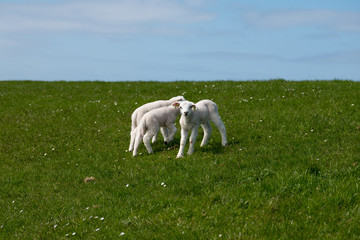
291	168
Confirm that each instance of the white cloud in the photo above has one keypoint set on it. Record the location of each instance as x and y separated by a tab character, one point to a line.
227	55
98	16
340	57
349	57
337	20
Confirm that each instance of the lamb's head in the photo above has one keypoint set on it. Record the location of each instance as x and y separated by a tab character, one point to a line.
177	99
187	108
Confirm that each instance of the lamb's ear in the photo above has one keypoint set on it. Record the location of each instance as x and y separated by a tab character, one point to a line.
176	104
194	108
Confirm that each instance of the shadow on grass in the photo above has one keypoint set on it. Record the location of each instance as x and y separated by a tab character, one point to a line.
213	147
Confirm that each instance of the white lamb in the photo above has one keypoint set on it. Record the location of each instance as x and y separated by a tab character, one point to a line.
151	122
194	115
140	111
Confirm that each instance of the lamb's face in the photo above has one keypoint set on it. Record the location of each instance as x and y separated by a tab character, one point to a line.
187	108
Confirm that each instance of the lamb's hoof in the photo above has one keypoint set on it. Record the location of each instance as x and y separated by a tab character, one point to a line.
179	156
165	143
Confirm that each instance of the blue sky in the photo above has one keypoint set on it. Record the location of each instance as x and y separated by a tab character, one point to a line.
170	40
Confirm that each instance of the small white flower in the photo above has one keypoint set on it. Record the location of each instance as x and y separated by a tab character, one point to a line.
96	217
55	226
98	229
352	105
87	208
102	219
45	154
66	235
122	234
115	103
21	211
73	233
13	201
53	149
220	235
127	185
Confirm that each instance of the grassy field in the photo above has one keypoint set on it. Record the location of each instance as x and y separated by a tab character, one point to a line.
291	169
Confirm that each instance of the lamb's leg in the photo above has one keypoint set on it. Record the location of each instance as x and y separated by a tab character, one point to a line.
207	133
146	139
133	131
137	142
184	136
171	130
154	138
215	118
194	133
132	139
164	131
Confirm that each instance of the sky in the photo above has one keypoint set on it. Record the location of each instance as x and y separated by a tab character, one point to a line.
168	40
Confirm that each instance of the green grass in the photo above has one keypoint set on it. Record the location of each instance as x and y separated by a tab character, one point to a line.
291	169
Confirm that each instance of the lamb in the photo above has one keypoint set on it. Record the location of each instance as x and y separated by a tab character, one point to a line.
151	122
194	115
140	111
